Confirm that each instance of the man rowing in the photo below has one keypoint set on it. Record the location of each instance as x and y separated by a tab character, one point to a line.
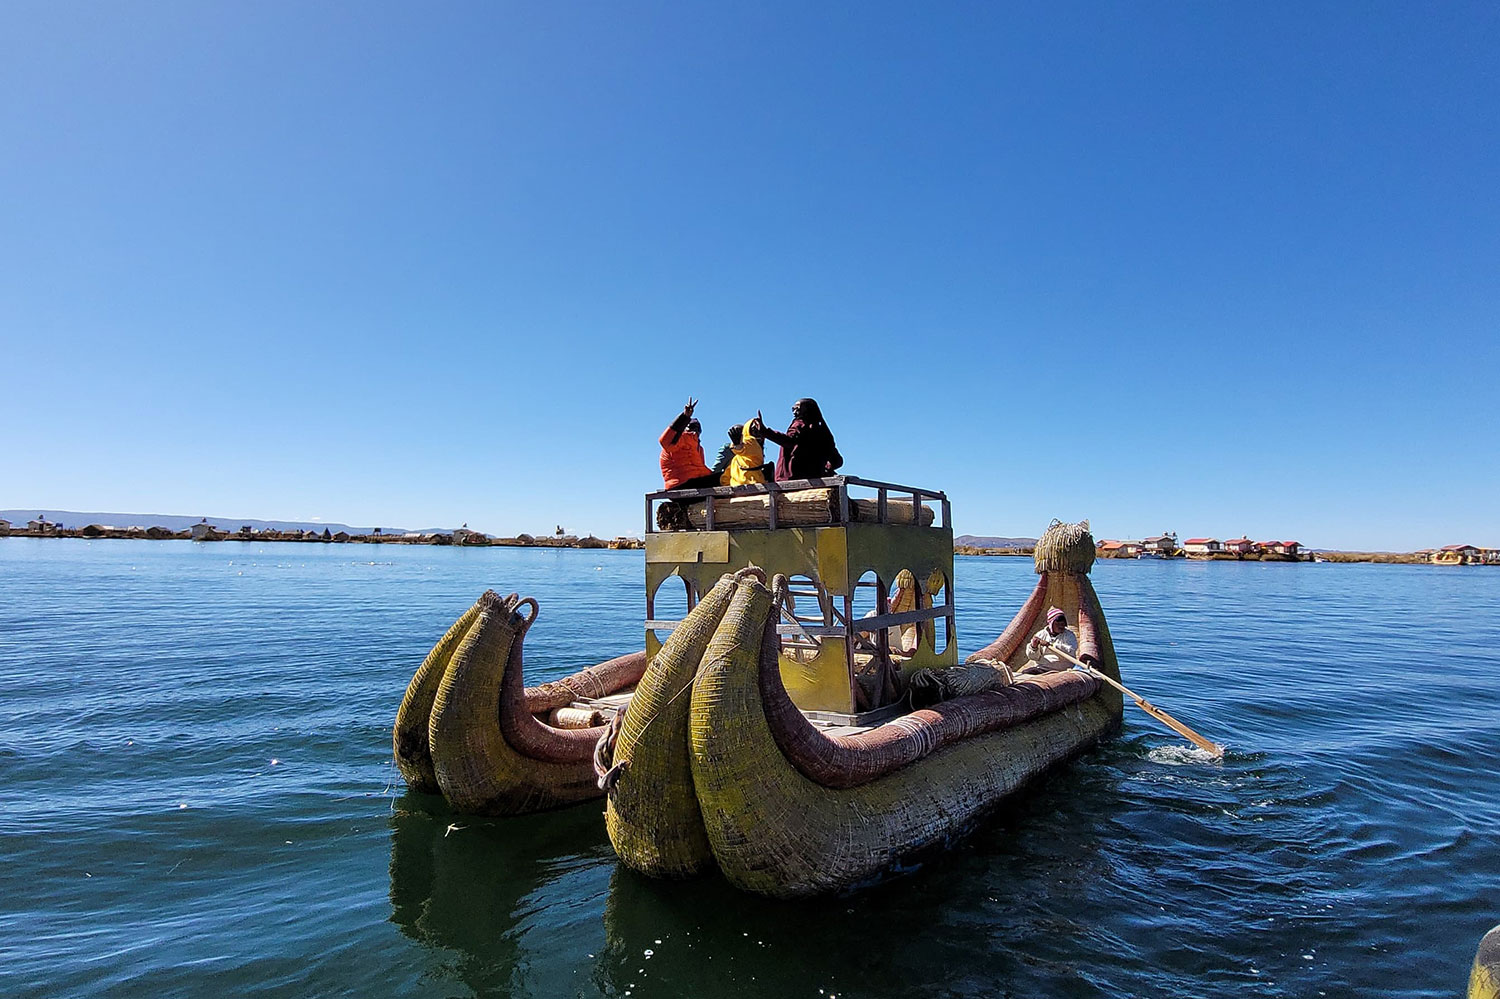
1039	649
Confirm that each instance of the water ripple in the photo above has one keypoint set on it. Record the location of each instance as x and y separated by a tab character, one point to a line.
202	797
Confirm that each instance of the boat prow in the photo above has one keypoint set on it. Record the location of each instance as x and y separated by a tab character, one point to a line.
470	730
788	806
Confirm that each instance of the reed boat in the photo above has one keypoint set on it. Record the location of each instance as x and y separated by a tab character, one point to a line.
774	734
803	724
470	730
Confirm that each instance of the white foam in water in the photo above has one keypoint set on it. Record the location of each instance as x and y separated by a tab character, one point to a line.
1181	755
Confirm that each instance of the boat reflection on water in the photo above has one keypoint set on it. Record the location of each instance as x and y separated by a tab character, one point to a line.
511	907
704	937
472	886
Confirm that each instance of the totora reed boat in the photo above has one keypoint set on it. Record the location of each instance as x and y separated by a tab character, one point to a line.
805	724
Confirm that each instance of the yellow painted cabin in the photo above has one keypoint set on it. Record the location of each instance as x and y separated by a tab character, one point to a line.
842	542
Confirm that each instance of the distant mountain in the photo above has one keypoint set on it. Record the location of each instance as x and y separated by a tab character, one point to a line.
176	522
978	541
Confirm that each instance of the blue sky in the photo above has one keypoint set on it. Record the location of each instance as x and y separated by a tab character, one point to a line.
1203	267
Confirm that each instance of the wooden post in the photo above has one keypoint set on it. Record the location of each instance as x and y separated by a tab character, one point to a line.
771	496
882	639
952	603
849	650
880	506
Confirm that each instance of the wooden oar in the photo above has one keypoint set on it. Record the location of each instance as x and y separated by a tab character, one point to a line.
1212	748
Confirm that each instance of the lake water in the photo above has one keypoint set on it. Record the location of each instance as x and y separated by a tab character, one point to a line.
201	801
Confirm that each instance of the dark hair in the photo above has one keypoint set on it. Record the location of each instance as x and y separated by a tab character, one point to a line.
811	413
694	426
737	433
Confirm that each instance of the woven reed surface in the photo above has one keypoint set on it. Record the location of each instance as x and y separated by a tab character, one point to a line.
476	769
776	832
529	735
1065	548
606	678
852	760
803	508
897	511
963	680
409	737
1093	633
652	813
576	718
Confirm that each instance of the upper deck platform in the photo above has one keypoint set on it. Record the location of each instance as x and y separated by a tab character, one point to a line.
869	569
836	500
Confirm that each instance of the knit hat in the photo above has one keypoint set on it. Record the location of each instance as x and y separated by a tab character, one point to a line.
1054	614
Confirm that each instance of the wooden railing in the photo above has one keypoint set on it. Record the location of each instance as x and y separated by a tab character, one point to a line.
840	510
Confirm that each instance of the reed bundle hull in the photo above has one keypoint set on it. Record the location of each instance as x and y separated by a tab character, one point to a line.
652	811
787	811
468	729
720	751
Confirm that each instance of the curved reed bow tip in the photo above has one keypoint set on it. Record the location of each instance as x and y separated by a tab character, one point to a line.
1484	979
494	602
750	570
1065	548
526	620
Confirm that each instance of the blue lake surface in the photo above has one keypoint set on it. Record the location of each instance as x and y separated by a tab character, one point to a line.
200	800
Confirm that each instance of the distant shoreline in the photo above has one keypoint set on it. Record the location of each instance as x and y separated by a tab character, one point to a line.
459	539
472	539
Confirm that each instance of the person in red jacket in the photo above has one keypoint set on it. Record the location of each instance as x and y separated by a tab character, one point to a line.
682	464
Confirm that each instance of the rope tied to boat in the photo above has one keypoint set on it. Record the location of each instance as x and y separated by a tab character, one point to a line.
596	686
604	754
919	731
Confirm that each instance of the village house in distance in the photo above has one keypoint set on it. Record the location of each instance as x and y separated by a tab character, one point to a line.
1206	549
1243	549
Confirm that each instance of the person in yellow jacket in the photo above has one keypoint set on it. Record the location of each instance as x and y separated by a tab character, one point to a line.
748	456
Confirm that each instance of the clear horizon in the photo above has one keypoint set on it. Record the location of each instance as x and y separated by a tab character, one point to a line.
232	523
1213	269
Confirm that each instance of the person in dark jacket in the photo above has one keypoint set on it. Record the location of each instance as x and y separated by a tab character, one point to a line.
807	448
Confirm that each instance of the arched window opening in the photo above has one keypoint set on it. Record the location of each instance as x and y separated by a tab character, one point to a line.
671	601
808	604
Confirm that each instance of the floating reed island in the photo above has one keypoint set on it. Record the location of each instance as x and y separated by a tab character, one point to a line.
206	532
772	731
